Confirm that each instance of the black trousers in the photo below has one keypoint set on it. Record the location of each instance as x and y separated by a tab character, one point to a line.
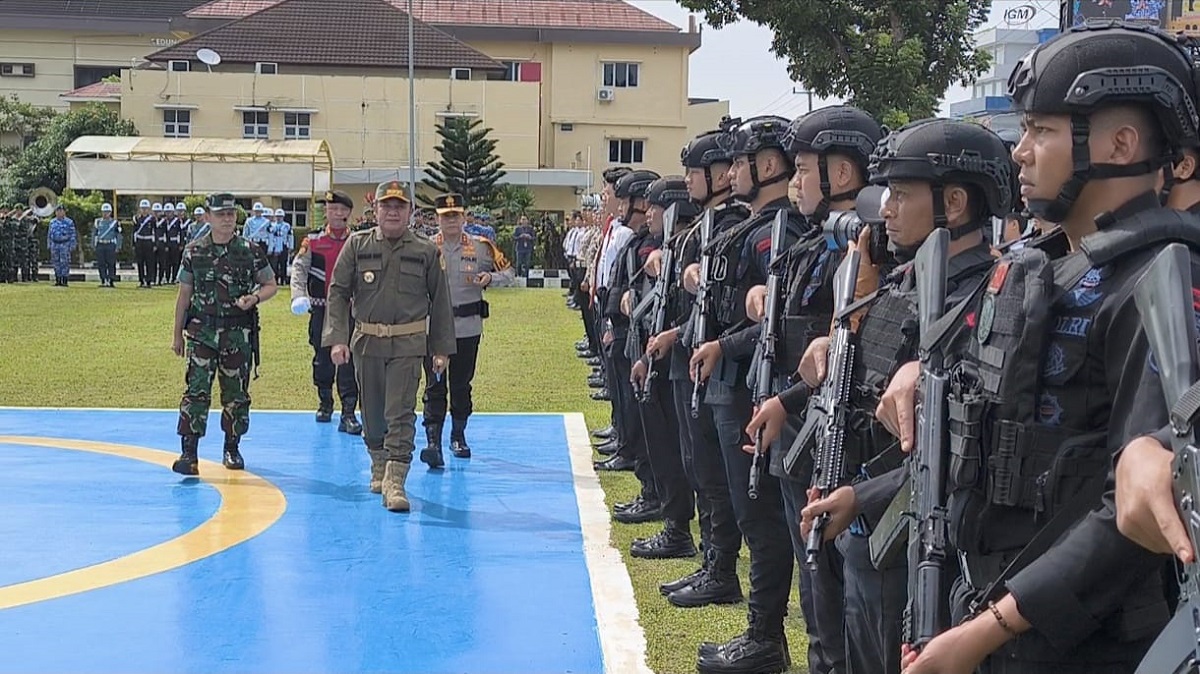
821	590
459	373
324	371
705	469
162	261
628	417
874	608
147	262
661	428
174	260
761	520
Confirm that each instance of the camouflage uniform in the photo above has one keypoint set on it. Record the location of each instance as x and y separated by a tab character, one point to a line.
29	264
8	243
221	338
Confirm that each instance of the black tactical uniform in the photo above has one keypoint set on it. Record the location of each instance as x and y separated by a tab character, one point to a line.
631	186
1070	388
162	257
716	580
143	249
741	257
176	237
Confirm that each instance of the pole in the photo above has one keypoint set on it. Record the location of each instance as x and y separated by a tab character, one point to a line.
412	112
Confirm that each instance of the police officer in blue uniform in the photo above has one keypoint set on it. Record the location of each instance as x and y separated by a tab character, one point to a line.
106	241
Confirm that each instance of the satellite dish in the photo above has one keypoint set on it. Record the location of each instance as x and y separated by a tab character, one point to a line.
208	57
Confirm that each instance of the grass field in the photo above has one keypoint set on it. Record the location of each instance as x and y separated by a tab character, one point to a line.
86	347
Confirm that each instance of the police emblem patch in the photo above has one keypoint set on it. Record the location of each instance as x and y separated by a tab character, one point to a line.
987	316
1049	410
368	277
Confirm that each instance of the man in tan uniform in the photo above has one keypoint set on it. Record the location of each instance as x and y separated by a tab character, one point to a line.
402	314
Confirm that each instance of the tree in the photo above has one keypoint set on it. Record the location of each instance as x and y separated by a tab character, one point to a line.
893	58
467	164
24	121
513	201
44	162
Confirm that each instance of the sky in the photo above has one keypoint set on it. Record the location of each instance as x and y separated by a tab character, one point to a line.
735	63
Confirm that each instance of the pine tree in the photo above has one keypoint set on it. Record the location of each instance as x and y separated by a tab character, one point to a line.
467	162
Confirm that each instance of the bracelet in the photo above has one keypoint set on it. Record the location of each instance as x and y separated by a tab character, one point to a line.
1000	619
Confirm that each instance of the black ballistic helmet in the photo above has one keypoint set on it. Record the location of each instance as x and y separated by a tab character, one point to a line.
843	129
945	151
753	136
673	190
704	151
612	175
634	186
1098	65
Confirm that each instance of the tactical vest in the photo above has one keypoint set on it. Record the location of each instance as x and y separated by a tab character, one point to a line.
219	280
808	306
730	278
323	253
1012	452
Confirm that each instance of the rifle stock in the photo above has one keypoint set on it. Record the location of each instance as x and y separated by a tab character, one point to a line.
924	615
766	342
831	401
662	287
1164	298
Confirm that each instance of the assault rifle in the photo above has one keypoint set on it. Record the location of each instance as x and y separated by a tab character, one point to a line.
928	530
661	295
828	408
1165	299
766	339
700	317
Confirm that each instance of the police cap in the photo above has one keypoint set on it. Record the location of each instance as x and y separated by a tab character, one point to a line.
336	197
222	201
449	203
391	189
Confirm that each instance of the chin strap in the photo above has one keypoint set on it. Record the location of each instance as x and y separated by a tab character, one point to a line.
756	184
827	199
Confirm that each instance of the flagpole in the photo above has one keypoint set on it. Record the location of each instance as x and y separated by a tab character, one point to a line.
412	113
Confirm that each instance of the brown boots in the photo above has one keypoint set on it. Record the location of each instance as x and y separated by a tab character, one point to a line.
394	475
378	459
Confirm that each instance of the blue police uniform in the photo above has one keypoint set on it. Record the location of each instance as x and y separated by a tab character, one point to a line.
61	239
106	241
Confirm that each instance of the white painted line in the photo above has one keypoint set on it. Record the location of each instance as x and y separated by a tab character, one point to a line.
19	408
622	642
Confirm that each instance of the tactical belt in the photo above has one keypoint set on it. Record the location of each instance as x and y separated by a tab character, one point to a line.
479	308
224	322
386	330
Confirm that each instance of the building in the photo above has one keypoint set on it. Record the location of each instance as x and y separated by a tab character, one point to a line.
569	87
989	95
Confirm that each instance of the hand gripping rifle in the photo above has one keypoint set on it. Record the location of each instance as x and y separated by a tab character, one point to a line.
700	317
661	295
1165	299
831	402
924	617
766	340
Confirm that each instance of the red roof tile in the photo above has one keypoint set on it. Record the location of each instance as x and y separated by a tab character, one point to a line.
365	34
99	90
577	14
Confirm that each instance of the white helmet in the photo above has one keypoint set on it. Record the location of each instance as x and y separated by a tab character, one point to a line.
106	208
199	210
156	207
144	203
257	206
279	212
181	206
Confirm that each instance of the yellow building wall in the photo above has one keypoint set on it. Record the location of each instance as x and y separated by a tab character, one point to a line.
702	117
56	53
661	146
364	119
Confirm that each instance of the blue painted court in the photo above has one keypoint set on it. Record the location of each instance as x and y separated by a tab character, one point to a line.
112	563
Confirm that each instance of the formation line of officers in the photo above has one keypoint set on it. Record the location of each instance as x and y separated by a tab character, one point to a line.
765	360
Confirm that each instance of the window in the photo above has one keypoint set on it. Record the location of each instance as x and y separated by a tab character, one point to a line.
85	75
177	123
512	72
16	69
620	74
296	212
266	68
566	126
460	73
625	151
181	66
297	125
256	124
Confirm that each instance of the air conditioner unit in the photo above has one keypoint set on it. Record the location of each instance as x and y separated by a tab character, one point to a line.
606	94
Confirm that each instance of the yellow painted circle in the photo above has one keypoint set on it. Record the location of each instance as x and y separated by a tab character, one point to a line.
249	506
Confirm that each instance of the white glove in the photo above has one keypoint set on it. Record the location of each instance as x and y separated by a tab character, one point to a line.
301	305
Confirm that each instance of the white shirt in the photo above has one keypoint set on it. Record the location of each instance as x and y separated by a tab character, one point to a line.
618	236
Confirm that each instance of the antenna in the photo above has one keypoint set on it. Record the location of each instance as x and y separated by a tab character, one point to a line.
208	57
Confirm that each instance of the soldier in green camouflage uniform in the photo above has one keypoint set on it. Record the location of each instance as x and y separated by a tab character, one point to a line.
8	260
27	227
222	280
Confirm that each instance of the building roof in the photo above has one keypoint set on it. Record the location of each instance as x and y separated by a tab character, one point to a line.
100	91
162	9
577	14
364	34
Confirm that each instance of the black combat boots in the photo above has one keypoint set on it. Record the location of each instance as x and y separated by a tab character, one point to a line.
458	439
188	462
719	586
690	579
432	454
758	650
232	457
325	407
349	422
675	540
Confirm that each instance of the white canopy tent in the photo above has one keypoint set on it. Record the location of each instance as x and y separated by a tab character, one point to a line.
294	169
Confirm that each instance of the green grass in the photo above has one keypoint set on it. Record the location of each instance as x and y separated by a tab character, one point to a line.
87	347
